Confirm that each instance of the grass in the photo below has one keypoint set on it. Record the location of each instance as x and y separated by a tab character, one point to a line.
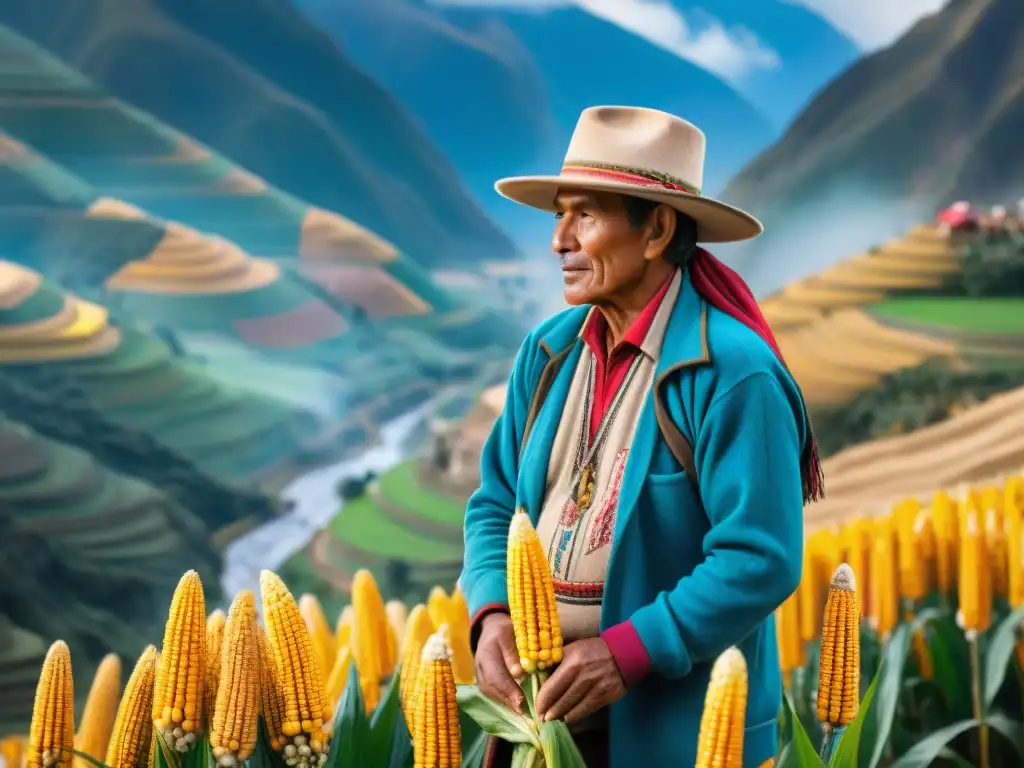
363	526
402	488
983	315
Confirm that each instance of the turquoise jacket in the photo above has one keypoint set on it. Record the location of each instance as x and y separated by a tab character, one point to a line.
693	576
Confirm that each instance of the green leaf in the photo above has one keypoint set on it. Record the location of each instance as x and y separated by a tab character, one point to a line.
1010	729
799	753
558	747
924	752
350	737
889	679
474	756
382	726
496	719
1000	650
90	759
401	746
264	756
164	756
200	755
526	756
948	649
847	751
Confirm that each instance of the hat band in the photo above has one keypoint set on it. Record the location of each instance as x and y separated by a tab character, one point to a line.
637	176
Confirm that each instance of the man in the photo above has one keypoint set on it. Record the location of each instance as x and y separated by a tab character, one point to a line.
658	442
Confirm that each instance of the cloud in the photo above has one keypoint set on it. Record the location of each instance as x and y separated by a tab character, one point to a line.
872	24
698	37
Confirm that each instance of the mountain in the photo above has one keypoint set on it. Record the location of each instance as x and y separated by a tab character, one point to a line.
256	81
935	117
514	85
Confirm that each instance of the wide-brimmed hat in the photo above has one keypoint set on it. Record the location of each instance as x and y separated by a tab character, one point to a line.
640	152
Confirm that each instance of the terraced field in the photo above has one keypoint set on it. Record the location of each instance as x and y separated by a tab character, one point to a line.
842	331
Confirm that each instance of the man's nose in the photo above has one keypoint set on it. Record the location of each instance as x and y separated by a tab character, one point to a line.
563	240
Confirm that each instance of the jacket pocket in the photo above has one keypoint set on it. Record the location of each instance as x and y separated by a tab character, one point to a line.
672	520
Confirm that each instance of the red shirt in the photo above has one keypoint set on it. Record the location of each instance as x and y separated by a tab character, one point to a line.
611	367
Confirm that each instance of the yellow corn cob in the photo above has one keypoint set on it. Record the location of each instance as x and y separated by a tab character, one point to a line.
298	679
436	736
51	738
236	713
839	680
418	630
132	736
881	572
369	636
97	721
995	539
12	750
923	656
720	744
397	615
338	678
271	700
792	655
531	597
324	645
179	685
214	642
343	627
809	600
437	604
975	577
1013	523
858	538
459	641
947	535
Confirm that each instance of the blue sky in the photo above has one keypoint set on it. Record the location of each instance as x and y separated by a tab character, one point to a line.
733	52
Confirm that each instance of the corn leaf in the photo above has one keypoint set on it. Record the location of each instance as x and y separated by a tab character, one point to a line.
1010	729
200	755
1000	649
948	650
526	756
876	725
90	759
382	726
163	755
496	719
474	756
351	729
925	751
558	747
799	753
847	751
401	746
264	755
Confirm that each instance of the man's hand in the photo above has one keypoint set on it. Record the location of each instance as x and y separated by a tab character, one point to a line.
587	680
497	662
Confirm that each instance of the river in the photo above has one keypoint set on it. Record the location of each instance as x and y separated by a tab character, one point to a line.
316	503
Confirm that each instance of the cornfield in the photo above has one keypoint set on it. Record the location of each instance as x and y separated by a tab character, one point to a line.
939	658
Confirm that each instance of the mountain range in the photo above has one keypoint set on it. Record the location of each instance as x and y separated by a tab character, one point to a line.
936	117
256	80
499	89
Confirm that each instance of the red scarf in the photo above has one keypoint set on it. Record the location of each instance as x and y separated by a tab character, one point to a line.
725	290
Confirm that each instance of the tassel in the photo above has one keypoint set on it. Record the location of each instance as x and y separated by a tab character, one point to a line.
811	472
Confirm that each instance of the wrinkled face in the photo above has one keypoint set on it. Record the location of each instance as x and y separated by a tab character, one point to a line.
602	255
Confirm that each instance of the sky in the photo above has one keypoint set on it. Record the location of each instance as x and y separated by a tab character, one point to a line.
733	52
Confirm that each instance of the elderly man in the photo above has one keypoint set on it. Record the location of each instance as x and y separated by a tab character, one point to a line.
661	447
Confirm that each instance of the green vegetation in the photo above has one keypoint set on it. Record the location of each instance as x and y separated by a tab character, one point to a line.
363	526
401	486
969	315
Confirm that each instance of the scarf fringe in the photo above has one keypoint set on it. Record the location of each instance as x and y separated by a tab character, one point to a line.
811	472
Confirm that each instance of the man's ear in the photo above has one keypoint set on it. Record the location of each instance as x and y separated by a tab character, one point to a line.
661	230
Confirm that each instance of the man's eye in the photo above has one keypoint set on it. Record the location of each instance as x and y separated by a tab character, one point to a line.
559	215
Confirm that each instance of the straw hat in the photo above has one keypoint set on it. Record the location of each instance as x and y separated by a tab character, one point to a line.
643	153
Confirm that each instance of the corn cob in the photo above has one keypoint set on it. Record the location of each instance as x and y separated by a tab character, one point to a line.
369	642
418	630
975	612
839	680
459	639
298	679
397	615
343	627
531	597
809	600
856	552
995	540
881	572
97	721
236	713
919	646
947	535
214	642
338	677
436	735
132	737
437	604
1014	525
720	744
12	751
179	685
271	700
51	738
792	654
324	646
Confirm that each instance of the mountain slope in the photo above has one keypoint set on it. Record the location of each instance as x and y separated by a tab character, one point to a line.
259	83
498	120
935	117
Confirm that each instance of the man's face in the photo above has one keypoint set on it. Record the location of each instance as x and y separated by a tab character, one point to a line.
601	254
